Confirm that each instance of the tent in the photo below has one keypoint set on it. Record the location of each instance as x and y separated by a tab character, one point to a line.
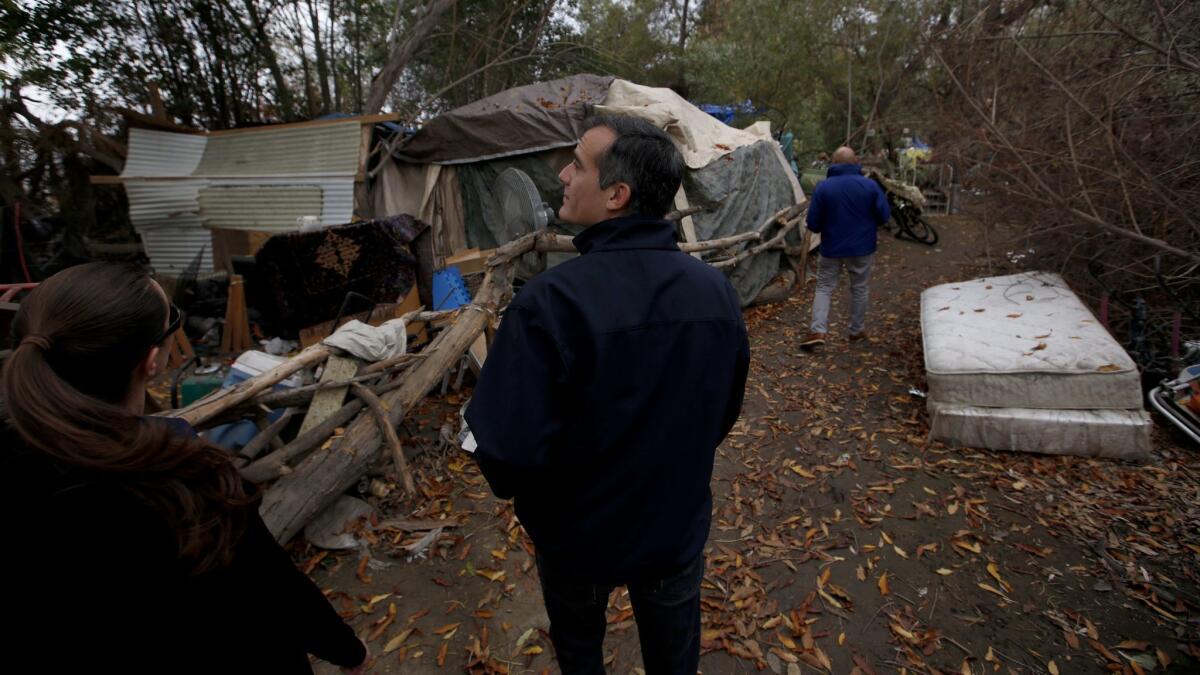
444	173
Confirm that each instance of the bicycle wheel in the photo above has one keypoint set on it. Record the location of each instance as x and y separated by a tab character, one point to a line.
921	230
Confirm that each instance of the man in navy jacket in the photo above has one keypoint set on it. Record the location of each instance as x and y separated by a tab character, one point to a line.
610	383
846	210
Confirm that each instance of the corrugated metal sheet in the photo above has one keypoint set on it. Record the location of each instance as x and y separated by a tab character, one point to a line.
172	249
273	208
328	149
260	180
164	203
162	153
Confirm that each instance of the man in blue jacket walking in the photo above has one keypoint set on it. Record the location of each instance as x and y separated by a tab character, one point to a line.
610	383
847	208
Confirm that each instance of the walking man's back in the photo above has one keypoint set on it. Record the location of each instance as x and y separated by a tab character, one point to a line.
612	380
846	210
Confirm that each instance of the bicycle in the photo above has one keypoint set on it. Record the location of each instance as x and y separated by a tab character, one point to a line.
905	202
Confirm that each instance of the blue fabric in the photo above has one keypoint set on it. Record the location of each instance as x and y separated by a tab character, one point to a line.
609	385
847	208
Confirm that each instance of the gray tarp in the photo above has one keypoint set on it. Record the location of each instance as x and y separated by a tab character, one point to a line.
741	190
517	121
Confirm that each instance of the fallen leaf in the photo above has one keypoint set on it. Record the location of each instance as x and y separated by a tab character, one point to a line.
994	590
446	629
883	585
1052	667
945	572
493	575
994	570
900	552
801	471
394	644
441	657
532	650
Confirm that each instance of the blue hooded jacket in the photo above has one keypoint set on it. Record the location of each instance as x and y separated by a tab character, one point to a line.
846	209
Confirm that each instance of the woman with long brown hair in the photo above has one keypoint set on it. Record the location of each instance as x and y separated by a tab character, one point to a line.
131	542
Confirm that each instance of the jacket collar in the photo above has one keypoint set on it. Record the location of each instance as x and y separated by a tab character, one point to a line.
844	170
625	233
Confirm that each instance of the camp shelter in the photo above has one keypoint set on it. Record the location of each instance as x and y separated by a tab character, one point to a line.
222	193
445	172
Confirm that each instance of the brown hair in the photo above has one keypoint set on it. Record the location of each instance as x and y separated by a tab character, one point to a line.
77	339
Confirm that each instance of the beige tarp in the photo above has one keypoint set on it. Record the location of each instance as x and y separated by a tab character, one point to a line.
701	137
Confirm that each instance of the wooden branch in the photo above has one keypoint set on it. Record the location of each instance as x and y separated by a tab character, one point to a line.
389	433
684	213
723	242
275	464
297	497
773	241
260	441
209	407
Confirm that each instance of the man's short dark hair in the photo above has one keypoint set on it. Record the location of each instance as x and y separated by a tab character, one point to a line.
644	158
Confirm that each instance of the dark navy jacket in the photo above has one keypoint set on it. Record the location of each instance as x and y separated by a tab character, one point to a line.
610	383
846	209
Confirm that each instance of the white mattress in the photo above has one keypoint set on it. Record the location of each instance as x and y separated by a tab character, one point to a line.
1022	341
1122	434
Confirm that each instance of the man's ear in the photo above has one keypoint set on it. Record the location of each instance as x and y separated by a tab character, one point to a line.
618	197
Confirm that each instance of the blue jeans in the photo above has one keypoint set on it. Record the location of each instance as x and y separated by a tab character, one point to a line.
667	611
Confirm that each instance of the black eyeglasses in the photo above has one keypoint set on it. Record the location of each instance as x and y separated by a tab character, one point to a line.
176	319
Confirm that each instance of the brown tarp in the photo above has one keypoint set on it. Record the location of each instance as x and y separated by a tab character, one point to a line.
536	117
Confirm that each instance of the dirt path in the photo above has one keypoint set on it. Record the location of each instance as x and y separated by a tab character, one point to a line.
840	541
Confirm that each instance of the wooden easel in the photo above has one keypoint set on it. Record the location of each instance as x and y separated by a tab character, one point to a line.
235	337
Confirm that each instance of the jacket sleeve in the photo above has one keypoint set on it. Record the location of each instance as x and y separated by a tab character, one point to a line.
882	209
516	412
815	219
738	386
300	609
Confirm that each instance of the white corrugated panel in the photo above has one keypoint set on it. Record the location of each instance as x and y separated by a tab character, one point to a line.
327	149
285	173
162	153
337	196
271	208
172	249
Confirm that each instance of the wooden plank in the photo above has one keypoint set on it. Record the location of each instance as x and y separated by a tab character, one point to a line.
328	401
235	335
686	223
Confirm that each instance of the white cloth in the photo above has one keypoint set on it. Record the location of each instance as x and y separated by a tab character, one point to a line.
371	343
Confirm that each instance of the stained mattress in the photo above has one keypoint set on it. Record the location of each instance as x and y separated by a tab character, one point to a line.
1022	341
1120	434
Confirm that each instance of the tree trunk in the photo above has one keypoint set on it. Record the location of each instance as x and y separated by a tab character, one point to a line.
322	62
401	53
257	31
